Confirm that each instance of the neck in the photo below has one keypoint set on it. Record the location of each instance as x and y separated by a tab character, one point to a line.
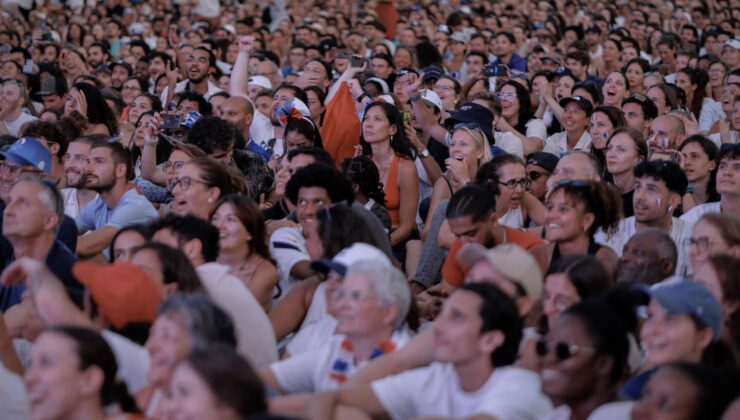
577	245
87	410
364	346
381	150
505	59
233	257
730	204
13	115
499	234
36	247
699	190
664	223
625	181
574	136
581	410
473	374
200	87
113	196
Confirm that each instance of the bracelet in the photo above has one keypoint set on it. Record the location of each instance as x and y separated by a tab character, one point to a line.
361	97
152	143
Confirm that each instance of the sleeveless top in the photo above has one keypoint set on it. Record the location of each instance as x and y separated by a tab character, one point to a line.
393	192
593	248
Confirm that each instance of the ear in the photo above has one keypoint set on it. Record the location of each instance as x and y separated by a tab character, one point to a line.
674	200
704	338
193	249
667	267
604	366
588	220
524	305
91	380
213	195
489	341
391	314
53	149
394	129
712	165
248	119
51	221
121	170
169	289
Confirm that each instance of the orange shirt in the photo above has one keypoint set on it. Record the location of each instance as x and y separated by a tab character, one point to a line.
454	274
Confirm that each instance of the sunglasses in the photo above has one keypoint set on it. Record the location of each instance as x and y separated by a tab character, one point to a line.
639	97
561	349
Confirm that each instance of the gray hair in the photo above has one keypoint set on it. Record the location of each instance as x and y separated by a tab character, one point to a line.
388	283
49	196
207	323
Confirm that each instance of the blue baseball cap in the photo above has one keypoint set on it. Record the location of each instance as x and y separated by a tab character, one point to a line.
28	151
679	295
473	113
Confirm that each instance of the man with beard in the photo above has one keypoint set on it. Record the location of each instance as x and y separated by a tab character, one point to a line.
118	204
97	54
12	97
199	64
648	257
659	186
76	196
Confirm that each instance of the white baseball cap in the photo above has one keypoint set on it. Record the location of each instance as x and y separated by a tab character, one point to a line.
260	81
431	98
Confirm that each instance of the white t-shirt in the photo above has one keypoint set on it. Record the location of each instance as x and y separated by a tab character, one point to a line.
14	127
255	338
182	87
618	410
317	310
557	144
261	131
536	128
711	111
133	361
317	370
513	218
207	8
510	393
13	399
71	205
509	143
680	230
697	212
288	247
717	137
313	336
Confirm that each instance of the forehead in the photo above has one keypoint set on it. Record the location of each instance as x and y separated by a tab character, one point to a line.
26	188
100	152
314	193
199	53
464	301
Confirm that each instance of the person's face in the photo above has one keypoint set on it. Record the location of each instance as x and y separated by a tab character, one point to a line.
706	240
635	76
232	233
297	58
125	244
658	97
669	338
381	68
662	134
360	311
198	65
139	106
538	177
457	336
707	275
445	89
156	67
716	74
294	140
235	112
574	117
683	82
668	395
666	54
10	97
216	103
469	231
54	101
621	154
575	66
730	56
509	102
475	66
511	198
376	127
310	201
168	343
192	195
558	295
614	89
315	73
463	147
75	163
118	76
652	200
728	176
635	116
600	129
736	115
573	378
728	100
192	398
628	53
565	219
101	171
314	105
26	215
502	46
49	56
54	382
697	165
281	97
563	87
173	166
264	105
640	261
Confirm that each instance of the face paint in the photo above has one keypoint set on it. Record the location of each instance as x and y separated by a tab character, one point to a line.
657	202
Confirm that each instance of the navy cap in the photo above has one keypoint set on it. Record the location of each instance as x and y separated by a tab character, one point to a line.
432	73
28	151
544	160
52	85
683	296
584	103
473	113
405	70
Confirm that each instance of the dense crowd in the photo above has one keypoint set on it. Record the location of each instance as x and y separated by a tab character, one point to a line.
353	209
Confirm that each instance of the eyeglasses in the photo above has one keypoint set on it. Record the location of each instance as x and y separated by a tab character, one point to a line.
176	165
512	183
16	170
702	243
562	350
185	183
534	175
445	88
508	96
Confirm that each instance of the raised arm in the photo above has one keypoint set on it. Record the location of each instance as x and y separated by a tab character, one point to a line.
149	168
240	71
346	76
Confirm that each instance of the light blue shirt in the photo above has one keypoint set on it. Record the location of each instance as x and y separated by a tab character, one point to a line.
133	208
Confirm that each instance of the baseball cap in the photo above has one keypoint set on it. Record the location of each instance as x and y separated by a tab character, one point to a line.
431	98
514	261
581	101
432	73
679	295
52	85
544	160
734	43
348	256
551	57
260	81
123	292
380	82
405	70
473	113
29	151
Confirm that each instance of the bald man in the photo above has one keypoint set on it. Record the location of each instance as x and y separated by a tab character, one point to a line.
238	111
648	257
666	132
576	166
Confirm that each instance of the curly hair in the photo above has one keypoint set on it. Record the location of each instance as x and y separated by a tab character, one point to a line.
598	198
362	171
322	176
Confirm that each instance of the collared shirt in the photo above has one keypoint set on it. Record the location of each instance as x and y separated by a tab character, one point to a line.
557	144
185	86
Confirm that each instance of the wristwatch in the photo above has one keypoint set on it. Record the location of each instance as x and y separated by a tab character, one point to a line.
424	153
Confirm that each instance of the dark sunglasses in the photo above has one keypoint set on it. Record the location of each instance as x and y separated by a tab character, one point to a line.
561	349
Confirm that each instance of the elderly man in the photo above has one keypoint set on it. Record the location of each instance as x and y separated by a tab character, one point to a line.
648	257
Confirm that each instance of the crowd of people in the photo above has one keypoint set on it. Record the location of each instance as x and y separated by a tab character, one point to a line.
342	209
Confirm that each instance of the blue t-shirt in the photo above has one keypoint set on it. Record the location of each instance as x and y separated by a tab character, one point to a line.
133	208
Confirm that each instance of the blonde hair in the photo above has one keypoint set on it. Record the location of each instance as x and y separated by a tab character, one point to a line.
481	140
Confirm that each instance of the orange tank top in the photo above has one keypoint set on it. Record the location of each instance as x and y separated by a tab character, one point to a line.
393	192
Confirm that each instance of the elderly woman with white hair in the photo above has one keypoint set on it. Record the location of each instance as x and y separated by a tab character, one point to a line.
372	303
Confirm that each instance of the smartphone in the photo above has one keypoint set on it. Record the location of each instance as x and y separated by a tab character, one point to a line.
406	117
665	155
356	61
46	36
170	122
